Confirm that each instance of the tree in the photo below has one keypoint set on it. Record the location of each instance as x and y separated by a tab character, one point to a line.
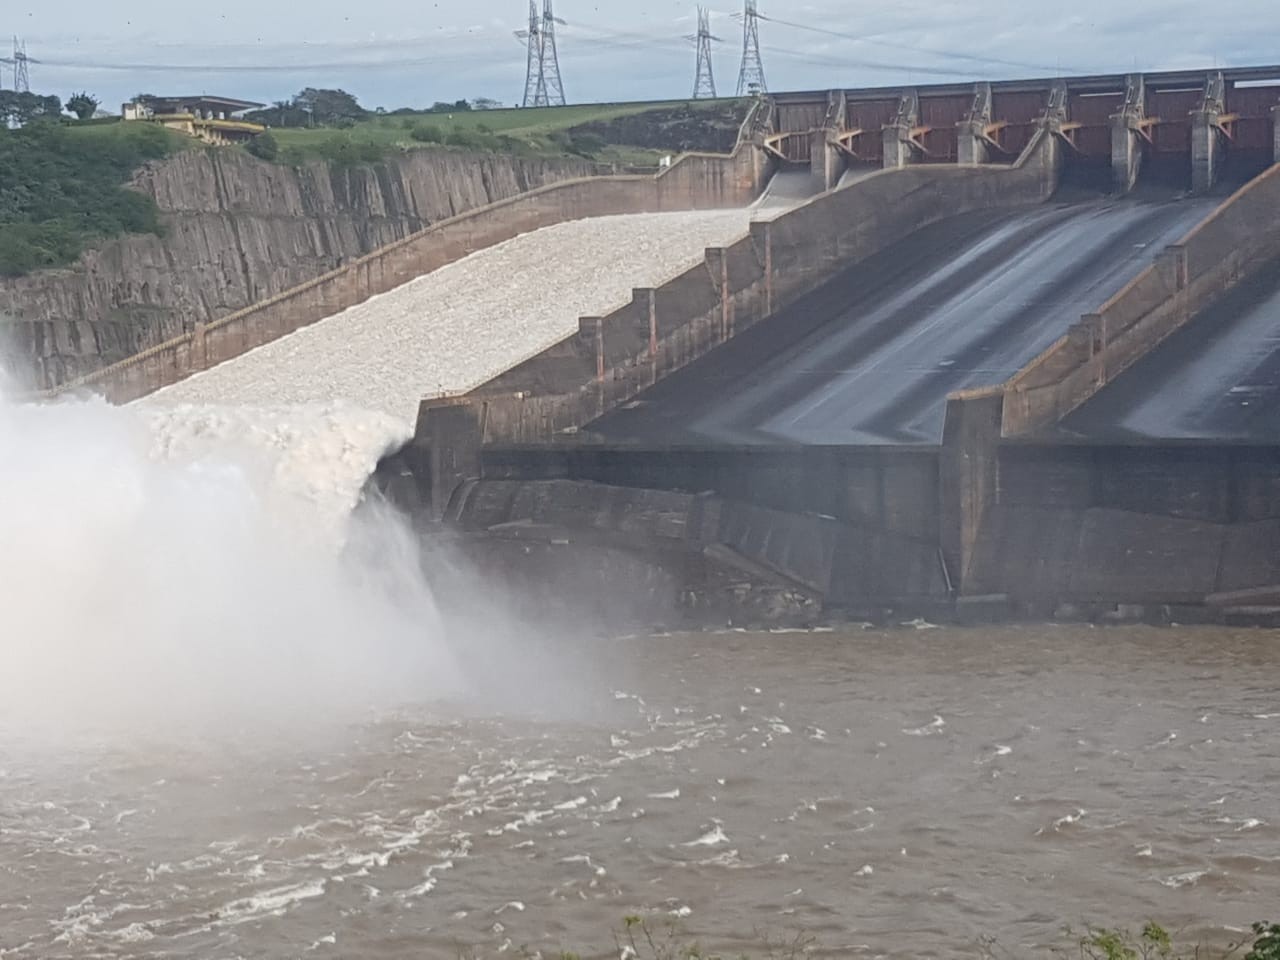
327	107
458	106
19	109
83	105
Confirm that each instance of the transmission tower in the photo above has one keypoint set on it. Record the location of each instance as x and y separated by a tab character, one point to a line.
704	83
751	74
542	84
21	67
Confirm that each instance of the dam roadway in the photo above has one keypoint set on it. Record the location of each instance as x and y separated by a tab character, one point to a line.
870	357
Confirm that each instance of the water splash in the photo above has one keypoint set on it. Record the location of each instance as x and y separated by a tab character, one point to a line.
169	567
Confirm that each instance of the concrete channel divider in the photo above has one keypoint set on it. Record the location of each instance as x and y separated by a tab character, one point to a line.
611	359
696	181
1240	237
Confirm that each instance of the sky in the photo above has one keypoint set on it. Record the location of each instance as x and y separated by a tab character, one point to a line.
395	53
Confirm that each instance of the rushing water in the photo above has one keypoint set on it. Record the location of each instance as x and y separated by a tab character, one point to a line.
222	736
894	793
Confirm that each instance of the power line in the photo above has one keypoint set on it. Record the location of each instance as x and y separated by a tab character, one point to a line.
947	54
381	63
704	81
751	73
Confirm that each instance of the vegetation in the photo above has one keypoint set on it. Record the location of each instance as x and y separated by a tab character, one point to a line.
83	105
640	940
62	187
1154	942
62	181
19	109
264	146
331	125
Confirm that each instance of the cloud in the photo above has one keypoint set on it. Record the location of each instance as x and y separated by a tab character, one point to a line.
394	53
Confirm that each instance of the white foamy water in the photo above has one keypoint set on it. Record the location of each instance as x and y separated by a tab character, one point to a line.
312	460
465	323
188	564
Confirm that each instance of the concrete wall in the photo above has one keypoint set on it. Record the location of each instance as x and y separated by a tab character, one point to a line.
1241	236
889	489
613	358
842	565
697	181
1159	524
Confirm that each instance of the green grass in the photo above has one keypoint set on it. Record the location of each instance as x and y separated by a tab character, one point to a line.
62	188
536	131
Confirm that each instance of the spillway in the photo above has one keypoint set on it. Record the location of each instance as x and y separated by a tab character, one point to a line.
1217	378
454	328
870	357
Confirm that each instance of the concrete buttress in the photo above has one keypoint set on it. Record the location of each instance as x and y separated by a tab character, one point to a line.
972	144
1126	135
898	145
1207	139
1275	135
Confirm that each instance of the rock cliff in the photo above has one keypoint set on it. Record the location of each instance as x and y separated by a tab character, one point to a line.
237	230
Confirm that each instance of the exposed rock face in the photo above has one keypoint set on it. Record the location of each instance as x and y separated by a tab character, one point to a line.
237	230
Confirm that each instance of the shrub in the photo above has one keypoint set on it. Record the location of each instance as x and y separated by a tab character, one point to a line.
463	138
1266	945
264	146
586	144
427	133
343	151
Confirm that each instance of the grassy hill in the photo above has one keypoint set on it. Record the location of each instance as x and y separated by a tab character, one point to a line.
62	184
531	132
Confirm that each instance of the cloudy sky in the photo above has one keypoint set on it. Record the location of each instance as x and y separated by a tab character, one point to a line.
399	53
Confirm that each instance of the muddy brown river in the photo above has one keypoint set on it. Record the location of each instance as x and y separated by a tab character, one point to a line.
894	794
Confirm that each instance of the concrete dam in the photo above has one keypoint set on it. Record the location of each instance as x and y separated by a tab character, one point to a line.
982	350
917	391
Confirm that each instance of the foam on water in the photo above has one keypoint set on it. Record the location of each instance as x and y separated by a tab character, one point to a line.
187	563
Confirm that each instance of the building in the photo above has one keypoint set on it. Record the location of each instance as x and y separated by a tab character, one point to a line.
211	119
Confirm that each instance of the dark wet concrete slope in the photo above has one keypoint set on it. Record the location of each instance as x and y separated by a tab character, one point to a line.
1218	378
870	357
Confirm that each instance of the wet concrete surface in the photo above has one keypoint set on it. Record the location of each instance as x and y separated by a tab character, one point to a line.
1216	378
871	356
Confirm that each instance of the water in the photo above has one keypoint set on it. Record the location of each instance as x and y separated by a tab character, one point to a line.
896	794
223	736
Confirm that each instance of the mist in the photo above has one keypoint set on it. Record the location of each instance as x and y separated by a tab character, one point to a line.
177	572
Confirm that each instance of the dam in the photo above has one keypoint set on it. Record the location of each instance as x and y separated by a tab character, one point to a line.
877	349
885	396
905	358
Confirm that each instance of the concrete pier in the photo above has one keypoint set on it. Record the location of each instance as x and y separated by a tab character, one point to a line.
1275	134
973	145
899	150
1207	139
1126	136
